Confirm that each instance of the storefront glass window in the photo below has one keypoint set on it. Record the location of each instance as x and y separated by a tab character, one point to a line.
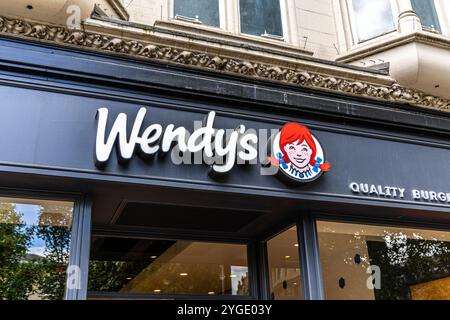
284	266
145	266
371	18
201	11
34	248
426	11
383	263
261	17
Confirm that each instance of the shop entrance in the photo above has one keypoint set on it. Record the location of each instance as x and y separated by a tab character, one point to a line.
171	244
179	244
187	249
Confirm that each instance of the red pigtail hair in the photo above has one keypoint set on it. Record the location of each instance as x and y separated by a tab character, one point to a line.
325	166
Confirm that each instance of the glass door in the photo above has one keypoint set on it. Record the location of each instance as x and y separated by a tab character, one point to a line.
284	266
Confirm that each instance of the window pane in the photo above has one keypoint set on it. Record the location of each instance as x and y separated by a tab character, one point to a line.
284	266
413	263
207	11
125	265
260	17
34	248
372	18
427	13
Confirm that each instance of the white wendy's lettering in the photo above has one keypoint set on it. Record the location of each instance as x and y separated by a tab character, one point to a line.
154	138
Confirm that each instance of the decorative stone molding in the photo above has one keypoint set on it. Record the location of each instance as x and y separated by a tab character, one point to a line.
263	71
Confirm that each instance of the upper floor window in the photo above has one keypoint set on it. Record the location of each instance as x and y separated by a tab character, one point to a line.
371	18
206	12
261	18
426	11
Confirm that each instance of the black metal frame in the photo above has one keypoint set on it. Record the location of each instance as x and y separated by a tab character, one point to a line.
81	235
309	259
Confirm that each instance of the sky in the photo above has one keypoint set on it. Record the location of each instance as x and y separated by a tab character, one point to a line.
30	217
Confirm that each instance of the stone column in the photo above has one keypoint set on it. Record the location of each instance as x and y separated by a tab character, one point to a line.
408	21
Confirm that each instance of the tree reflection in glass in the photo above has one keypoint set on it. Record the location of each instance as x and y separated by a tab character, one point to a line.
34	248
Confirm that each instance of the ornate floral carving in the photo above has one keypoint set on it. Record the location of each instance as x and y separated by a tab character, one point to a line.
62	35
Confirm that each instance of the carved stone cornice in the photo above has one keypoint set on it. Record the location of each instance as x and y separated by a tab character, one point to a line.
392	92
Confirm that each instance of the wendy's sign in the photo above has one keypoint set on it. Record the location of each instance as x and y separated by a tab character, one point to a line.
298	154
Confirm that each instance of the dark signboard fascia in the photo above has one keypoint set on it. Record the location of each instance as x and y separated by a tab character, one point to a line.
52	132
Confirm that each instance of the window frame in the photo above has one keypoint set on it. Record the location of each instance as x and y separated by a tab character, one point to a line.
284	23
222	15
440	16
354	30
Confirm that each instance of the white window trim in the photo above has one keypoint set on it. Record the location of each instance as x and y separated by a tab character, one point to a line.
222	14
441	17
284	22
352	19
445	11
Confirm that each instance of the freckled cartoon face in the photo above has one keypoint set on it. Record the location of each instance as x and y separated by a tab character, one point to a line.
298	153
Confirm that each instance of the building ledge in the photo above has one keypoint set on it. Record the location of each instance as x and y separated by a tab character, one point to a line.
416	60
397	40
232	50
152	44
214	36
218	35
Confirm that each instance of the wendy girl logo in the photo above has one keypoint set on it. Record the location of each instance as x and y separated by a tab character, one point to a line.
298	154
